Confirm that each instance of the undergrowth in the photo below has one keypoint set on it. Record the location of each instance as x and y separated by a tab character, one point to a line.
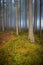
19	51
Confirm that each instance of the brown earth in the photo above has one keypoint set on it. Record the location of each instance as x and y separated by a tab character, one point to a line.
4	37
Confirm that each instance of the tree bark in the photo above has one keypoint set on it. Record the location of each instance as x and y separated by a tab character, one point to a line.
9	14
20	16
17	17
31	34
25	16
0	2
40	16
35	15
3	15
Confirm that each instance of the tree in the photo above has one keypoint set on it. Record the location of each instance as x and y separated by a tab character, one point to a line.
25	14
40	15
20	15
17	17
0	14
9	11
35	15
31	35
0	2
3	15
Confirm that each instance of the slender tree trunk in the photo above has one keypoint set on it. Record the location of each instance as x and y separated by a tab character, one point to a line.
25	15
9	13
35	15
3	16
0	2
0	14
17	17
40	15
6	15
20	16
31	34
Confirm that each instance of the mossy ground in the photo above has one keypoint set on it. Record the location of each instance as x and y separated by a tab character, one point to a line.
19	51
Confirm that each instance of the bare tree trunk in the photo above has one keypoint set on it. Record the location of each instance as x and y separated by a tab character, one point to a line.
31	34
25	16
40	16
35	15
20	16
0	2
9	14
17	17
0	14
3	16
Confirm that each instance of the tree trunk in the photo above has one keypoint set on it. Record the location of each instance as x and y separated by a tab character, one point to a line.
20	16
0	14
31	34
0	2
40	16
9	14
35	15
3	15
17	17
25	15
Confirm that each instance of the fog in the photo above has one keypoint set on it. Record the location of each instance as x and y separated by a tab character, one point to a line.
10	14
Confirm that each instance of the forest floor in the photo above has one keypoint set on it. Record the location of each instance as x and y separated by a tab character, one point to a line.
4	37
17	50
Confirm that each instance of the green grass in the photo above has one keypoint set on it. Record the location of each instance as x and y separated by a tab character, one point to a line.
39	39
19	51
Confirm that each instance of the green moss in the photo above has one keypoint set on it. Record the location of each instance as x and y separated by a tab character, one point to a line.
39	39
19	51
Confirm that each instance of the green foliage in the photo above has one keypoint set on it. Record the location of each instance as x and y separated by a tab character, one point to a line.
19	51
39	39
